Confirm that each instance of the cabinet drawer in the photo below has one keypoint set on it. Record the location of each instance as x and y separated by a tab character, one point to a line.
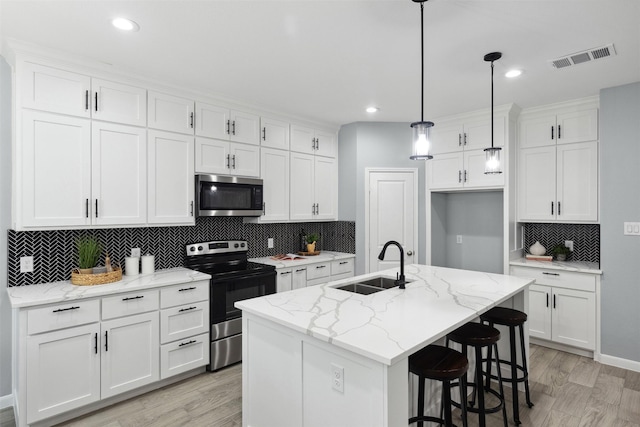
184	293
184	355
342	266
61	316
130	303
317	271
558	278
177	323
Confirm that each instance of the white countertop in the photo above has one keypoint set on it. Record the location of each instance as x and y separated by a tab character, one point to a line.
389	325
577	266
45	293
324	256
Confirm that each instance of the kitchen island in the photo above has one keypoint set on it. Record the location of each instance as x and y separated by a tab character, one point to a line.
321	356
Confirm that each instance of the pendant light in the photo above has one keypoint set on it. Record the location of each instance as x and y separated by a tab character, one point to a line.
421	143
492	165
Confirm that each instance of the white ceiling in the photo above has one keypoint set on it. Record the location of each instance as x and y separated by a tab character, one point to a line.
328	60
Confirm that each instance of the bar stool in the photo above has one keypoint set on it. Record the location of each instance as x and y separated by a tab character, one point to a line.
442	364
511	318
479	336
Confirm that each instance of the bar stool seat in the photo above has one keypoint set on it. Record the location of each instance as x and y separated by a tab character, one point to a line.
443	364
478	335
512	319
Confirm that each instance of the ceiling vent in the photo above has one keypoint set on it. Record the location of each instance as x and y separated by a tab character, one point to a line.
584	56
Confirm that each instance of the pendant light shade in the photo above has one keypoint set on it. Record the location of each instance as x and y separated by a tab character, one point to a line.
421	129
492	155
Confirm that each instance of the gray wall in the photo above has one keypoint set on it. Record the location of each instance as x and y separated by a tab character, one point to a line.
5	220
478	218
374	144
620	202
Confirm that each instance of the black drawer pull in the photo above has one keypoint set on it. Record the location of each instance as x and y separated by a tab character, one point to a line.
186	343
186	309
550	274
285	272
320	266
344	262
65	309
130	298
301	269
186	289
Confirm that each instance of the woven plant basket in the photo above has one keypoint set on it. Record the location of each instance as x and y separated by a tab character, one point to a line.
95	279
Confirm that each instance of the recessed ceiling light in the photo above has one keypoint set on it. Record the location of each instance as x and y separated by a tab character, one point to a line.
125	24
372	109
513	73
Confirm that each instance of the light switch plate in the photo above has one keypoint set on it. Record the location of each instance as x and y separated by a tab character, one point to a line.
270	242
26	264
632	228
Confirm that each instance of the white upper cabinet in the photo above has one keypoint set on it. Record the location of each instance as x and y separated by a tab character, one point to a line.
274	133
558	164
558	127
119	174
214	156
313	187
461	170
64	92
55	170
170	179
275	177
312	141
219	122
57	91
171	113
116	102
473	133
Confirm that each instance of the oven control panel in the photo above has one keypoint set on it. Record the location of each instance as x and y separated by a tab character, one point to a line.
217	247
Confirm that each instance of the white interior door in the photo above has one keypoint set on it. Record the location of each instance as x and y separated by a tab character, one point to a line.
392	214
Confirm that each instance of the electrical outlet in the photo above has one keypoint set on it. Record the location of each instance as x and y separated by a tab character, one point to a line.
337	377
569	244
26	264
270	242
135	252
632	228
458	238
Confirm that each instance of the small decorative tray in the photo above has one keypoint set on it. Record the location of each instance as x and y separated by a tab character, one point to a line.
309	253
95	279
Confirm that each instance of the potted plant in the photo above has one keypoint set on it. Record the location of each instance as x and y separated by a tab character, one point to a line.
89	250
311	242
560	251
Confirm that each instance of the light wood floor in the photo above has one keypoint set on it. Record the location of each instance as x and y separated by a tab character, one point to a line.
567	390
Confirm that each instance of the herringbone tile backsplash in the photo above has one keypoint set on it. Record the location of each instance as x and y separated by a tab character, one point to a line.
586	239
54	254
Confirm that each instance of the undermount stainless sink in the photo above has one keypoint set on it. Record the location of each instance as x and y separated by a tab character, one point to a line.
370	286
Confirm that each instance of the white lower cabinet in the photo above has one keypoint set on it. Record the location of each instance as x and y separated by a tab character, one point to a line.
562	306
80	352
289	278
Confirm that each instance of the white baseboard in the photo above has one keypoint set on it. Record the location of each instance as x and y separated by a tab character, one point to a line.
6	401
618	362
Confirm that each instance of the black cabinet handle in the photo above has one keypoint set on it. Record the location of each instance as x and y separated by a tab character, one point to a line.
264	133
86	100
95	347
301	269
96	104
186	309
551	132
186	343
547	300
106	340
313	143
558	208
550	274
234	158
192	118
460	140
465	171
465	138
86	207
228	160
233	127
559	133
554	301
459	176
228	124
131	298
551	208
344	262
65	309
317	143
96	208
320	266
284	273
317	208
186	289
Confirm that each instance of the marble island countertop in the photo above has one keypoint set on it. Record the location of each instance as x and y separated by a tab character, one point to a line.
576	266
46	293
324	256
388	325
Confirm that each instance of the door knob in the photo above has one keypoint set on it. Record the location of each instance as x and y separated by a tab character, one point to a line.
409	253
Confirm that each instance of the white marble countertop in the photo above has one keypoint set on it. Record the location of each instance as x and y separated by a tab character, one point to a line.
577	266
324	256
389	325
46	293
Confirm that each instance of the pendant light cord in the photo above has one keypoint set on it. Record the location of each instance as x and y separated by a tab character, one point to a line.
491	104
422	62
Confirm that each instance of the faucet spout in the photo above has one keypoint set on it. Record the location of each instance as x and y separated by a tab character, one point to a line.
400	281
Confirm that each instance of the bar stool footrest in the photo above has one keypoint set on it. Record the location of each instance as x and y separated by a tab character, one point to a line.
523	378
426	418
470	408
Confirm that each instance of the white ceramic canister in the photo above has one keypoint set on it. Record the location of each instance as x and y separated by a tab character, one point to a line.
131	266
148	264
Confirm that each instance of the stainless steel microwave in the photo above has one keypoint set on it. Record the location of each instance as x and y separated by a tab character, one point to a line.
228	196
